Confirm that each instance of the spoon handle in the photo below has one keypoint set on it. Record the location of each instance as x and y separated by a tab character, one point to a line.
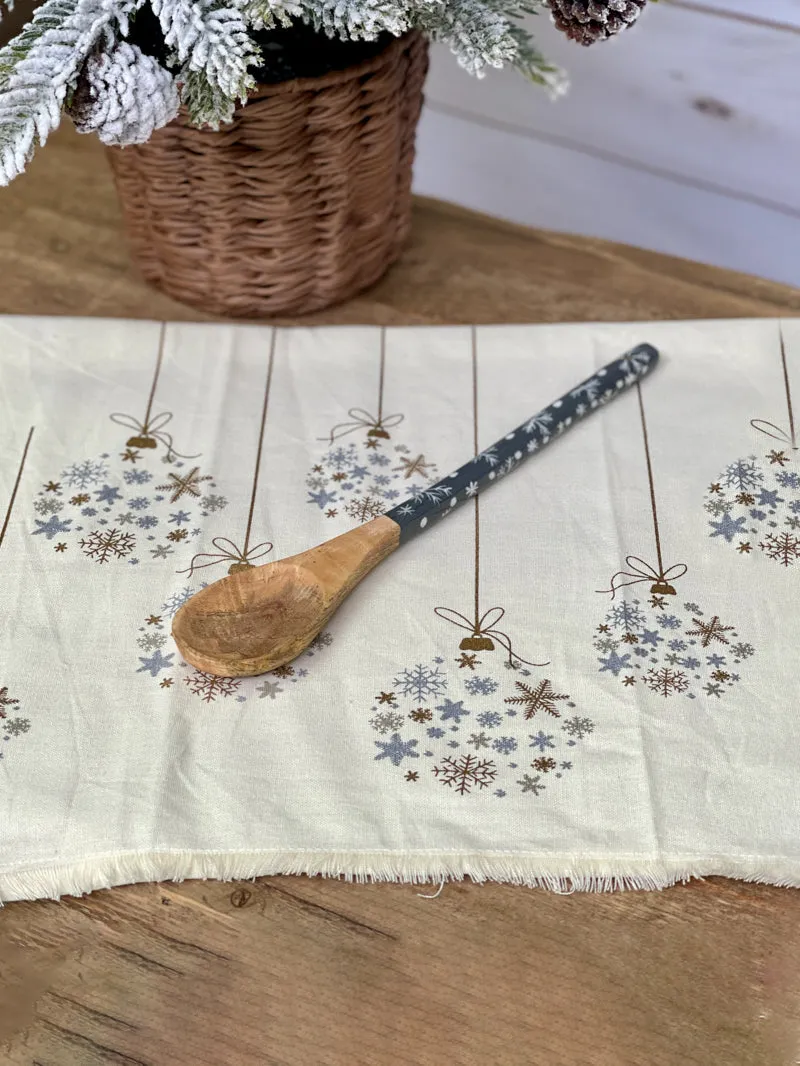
414	514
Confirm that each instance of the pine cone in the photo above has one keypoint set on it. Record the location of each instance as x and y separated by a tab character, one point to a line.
123	95
587	21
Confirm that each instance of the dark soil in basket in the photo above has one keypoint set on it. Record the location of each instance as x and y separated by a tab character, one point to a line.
296	52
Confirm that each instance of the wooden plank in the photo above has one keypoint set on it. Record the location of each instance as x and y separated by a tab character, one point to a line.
294	971
544	184
776	12
689	94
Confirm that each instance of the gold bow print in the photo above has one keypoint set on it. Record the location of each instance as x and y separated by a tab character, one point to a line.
779	433
638	571
147	433
226	549
376	427
482	631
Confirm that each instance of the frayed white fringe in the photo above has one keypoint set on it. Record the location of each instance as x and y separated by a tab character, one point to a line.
565	874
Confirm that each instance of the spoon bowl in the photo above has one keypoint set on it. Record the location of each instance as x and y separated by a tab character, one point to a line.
259	619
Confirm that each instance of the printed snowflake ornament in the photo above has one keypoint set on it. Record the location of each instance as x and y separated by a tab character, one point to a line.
666	645
363	477
754	504
126	506
159	660
362	480
669	648
457	724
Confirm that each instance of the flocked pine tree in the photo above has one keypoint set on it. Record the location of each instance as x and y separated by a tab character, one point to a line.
76	55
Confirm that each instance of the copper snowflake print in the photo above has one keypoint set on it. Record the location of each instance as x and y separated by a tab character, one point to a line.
208	687
757	504
466	772
784	548
6	701
666	681
470	731
178	485
102	545
674	649
364	508
542	698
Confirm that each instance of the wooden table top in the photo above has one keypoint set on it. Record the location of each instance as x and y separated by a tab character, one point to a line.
306	972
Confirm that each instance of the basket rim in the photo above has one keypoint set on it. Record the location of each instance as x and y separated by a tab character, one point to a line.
337	77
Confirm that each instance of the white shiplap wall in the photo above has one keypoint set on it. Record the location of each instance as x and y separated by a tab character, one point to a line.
681	135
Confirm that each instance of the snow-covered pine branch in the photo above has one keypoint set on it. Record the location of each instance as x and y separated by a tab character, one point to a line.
206	105
212	37
123	96
41	64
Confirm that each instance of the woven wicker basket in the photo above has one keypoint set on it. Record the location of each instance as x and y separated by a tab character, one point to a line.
304	201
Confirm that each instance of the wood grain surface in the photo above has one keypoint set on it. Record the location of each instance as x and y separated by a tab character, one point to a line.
305	972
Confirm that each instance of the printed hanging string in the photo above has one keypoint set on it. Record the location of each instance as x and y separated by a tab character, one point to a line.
639	570
484	626
361	419
150	431
242	558
769	428
15	487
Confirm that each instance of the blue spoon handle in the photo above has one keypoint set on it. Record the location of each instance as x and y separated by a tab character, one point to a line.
415	514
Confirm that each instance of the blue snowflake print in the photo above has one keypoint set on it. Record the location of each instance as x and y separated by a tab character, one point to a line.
358	473
626	616
377	459
322	498
716	660
137	477
53	526
172	605
542	741
452	710
794	506
690	663
82	475
382	479
677	645
788	479
156	663
138	503
651	637
758	516
742	650
504	745
180	518
108	494
743	475
641	652
420	681
127	518
147	521
89	512
669	621
769	498
578	727
614	663
435	732
481	686
341	457
396	749
692	608
489	719
728	527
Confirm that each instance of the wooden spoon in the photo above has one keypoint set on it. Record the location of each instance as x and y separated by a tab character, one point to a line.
262	617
